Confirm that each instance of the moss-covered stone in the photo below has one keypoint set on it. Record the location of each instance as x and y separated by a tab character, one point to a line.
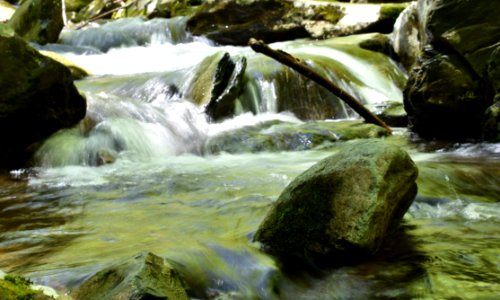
279	136
146	276
37	98
76	71
343	206
38	21
18	288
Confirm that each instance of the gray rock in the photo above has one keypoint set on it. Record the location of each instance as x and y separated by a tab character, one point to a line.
37	98
147	276
38	21
343	206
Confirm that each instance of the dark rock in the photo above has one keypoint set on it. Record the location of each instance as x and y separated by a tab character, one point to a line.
450	87
280	136
38	21
38	98
491	124
443	99
342	207
235	22
147	276
379	43
218	82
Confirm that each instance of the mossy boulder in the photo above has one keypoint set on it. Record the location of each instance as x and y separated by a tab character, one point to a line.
38	98
343	207
146	276
19	288
284	136
38	21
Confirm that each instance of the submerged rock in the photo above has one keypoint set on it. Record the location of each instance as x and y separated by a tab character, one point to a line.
38	98
38	21
342	207
147	276
281	136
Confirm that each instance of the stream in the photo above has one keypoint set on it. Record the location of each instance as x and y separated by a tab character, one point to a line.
74	214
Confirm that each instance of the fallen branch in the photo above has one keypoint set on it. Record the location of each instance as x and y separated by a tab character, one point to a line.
299	66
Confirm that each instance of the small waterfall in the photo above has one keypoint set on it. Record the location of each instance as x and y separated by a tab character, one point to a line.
139	94
129	32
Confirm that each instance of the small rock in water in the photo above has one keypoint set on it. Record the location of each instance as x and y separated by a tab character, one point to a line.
146	276
342	207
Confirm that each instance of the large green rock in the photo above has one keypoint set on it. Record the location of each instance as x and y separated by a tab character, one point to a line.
146	276
343	206
38	21
37	98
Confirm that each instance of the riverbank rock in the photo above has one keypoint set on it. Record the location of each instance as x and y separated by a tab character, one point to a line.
343	206
38	98
38	21
284	136
449	88
234	22
146	276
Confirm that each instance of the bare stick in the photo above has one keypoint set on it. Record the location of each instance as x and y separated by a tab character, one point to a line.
299	66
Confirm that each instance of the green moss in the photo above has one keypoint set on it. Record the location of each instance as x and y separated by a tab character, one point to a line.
392	10
18	288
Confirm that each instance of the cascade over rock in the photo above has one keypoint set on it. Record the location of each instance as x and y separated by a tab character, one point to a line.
343	206
146	276
455	38
38	21
38	98
218	82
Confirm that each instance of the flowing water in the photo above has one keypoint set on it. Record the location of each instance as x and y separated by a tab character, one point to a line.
135	176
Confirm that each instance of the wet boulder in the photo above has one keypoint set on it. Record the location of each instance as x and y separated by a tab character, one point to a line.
455	38
342	208
38	21
217	84
146	276
38	98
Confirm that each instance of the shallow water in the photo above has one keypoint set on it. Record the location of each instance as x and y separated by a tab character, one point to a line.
67	218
